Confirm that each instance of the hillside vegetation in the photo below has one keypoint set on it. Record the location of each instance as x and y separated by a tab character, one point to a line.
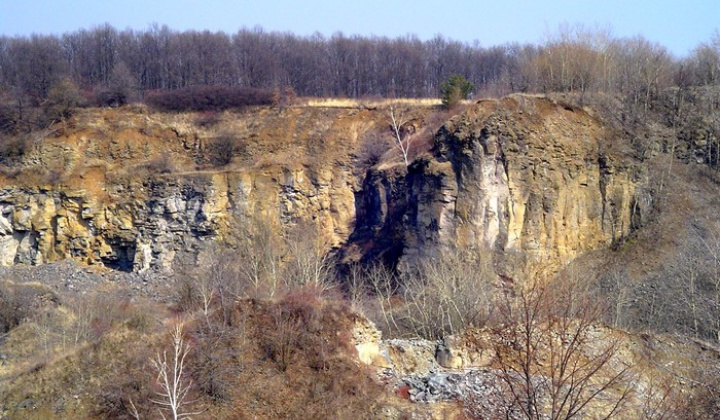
277	301
539	255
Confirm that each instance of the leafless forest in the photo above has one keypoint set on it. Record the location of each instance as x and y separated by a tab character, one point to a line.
104	60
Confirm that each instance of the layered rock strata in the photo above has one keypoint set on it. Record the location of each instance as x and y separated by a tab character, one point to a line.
525	178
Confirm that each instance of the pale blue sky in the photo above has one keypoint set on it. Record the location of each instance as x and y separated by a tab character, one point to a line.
677	24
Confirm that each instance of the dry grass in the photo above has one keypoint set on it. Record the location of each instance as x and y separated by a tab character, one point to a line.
370	103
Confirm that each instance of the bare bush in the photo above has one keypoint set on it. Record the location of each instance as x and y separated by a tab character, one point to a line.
207	119
221	149
305	340
62	101
553	361
304	329
9	119
47	328
208	98
283	339
219	354
371	149
382	301
187	297
448	294
441	296
96	314
13	149
310	263
259	263
161	165
248	265
118	90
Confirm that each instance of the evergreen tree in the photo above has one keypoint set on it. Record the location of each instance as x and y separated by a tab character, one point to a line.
455	89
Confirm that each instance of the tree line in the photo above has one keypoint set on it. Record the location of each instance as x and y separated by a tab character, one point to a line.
160	58
572	59
44	77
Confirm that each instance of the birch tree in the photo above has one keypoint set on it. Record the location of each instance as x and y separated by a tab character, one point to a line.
172	378
402	142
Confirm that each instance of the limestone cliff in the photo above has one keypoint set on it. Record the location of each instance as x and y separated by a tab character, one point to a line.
525	177
135	191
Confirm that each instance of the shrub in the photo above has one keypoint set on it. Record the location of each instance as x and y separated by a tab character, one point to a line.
11	313
119	89
208	98
160	165
19	302
207	119
62	100
110	98
125	393
370	151
438	297
221	149
187	296
304	329
9	119
218	356
284	98
13	148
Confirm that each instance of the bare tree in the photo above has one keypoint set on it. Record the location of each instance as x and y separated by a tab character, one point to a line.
575	58
705	62
615	286
685	296
254	266
174	385
207	289
401	139
551	359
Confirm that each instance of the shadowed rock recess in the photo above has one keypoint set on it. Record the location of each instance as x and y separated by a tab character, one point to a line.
528	179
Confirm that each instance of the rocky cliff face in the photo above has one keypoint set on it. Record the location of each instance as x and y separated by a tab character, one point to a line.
137	193
523	177
162	218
